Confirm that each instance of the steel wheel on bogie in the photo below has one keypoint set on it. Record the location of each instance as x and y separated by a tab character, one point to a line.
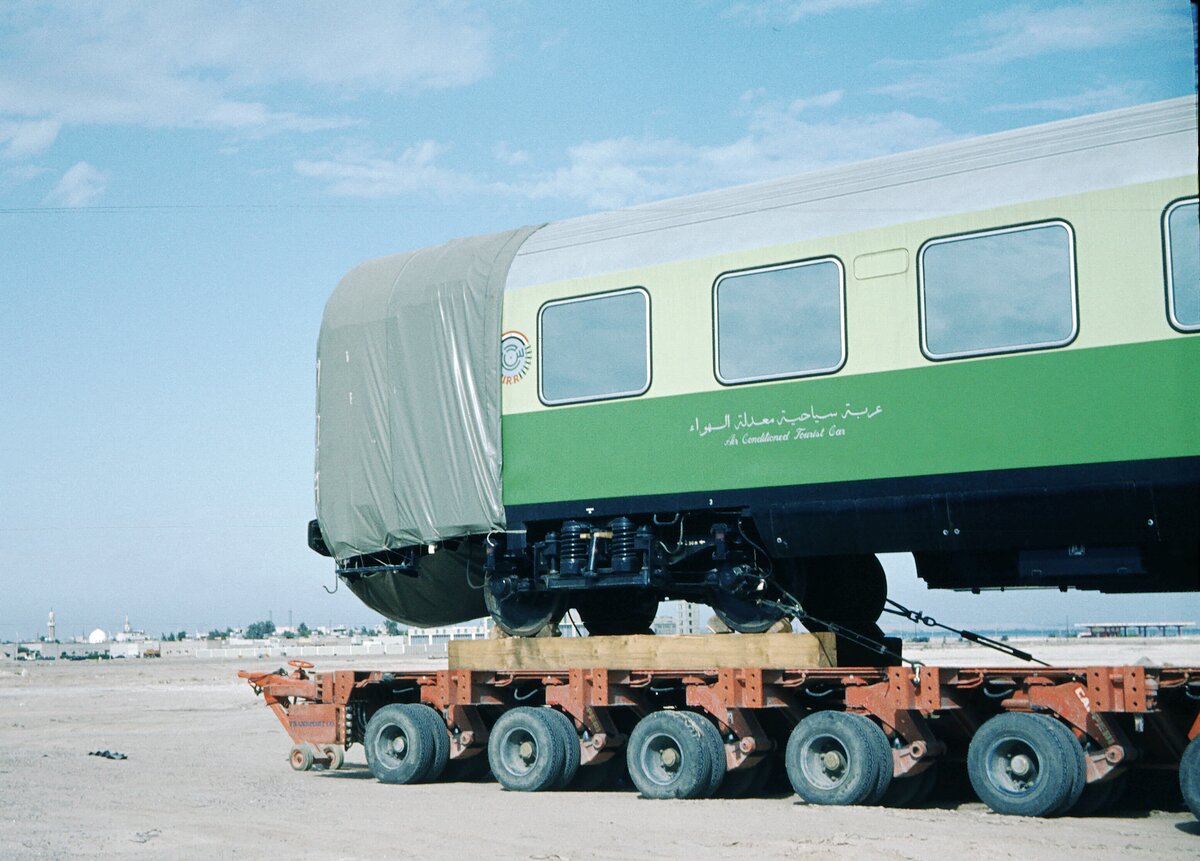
832	759
668	756
844	589
743	611
615	612
526	751
400	743
522	613
1026	764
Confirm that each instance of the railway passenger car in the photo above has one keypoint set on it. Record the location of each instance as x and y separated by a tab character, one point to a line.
985	353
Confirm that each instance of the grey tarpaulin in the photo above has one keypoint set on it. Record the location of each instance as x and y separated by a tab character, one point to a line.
408	398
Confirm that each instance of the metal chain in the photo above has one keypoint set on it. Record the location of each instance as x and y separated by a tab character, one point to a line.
920	618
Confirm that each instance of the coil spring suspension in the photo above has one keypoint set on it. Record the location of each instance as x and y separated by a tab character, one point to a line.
572	547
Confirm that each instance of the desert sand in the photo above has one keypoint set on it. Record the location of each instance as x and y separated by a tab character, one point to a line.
207	777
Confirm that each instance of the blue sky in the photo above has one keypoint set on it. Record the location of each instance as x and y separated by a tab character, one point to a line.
182	184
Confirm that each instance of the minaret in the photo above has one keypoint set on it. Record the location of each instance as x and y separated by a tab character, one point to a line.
127	629
50	627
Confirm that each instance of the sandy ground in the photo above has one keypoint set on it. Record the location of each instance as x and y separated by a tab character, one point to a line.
206	777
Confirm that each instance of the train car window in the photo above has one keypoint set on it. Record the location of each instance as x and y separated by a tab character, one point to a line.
1181	232
783	321
594	347
998	291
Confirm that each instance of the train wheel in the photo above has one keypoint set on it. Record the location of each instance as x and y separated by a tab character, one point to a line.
336	755
1189	776
399	743
301	757
526	751
522	614
569	740
715	746
613	612
1026	764
832	759
744	615
844	589
668	756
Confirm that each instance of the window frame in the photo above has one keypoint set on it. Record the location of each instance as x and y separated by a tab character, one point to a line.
587	297
774	267
1168	279
1073	268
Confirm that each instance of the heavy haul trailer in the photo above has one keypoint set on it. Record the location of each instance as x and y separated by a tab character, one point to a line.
1037	742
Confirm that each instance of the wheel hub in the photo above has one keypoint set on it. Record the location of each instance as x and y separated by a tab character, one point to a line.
833	761
526	751
670	758
1020	765
399	745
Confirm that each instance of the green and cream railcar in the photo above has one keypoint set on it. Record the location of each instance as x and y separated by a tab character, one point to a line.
985	353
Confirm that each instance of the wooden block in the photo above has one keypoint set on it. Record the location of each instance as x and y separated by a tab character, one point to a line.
646	652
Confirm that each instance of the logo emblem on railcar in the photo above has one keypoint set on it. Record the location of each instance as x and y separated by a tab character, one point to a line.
514	357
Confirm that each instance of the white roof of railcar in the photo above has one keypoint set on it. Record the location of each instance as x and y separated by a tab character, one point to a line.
1123	147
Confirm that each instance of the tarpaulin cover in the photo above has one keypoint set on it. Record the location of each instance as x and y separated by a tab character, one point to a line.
408	398
446	589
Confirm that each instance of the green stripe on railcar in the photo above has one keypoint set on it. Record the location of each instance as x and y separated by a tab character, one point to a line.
1108	404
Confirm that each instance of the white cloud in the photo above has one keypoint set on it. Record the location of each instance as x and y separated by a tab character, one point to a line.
505	154
361	173
791	11
1023	33
1090	101
20	140
80	186
824	100
224	64
621	172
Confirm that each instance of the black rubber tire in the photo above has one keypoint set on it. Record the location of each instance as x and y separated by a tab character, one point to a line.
543	768
616	612
851	780
395	722
1094	798
909	792
657	733
1189	776
883	758
440	736
598	776
747	781
1024	764
569	739
844	589
469	770
715	747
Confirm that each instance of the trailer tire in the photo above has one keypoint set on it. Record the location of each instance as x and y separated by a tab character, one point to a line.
440	737
831	759
913	791
668	756
883	759
526	750
336	754
569	738
399	744
715	747
1025	764
1189	776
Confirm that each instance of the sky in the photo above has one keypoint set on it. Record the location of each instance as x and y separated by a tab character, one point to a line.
182	185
